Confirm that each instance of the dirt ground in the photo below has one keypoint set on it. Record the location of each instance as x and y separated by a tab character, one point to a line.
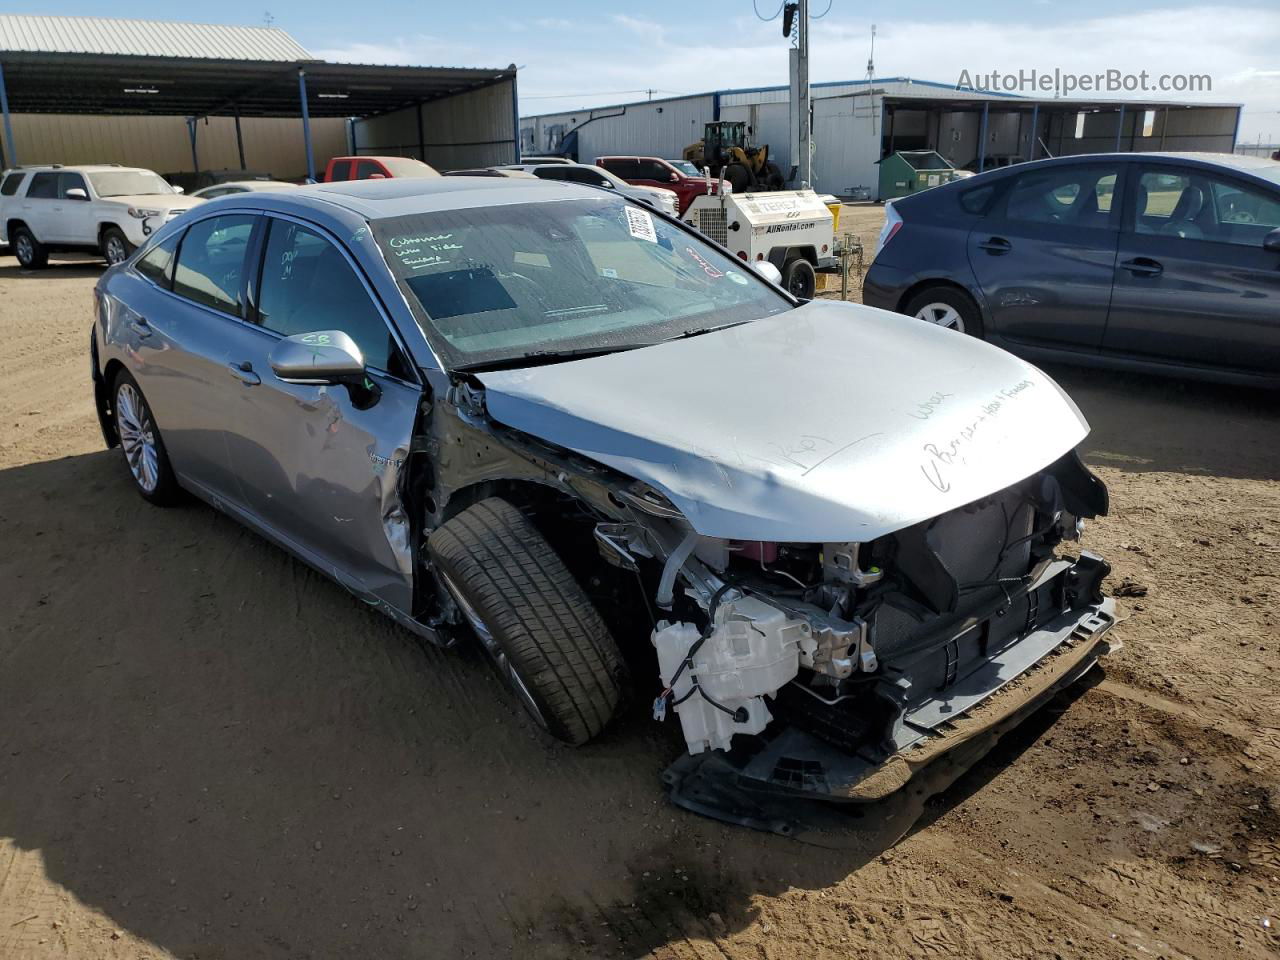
209	751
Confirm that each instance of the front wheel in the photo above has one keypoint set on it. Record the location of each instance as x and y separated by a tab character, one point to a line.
544	636
799	279
115	248
946	307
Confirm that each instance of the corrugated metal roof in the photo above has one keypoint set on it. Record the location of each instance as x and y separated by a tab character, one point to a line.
146	38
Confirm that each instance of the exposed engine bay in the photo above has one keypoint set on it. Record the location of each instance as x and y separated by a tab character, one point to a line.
863	649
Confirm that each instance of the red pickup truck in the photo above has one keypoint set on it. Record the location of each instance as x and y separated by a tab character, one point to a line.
678	175
375	168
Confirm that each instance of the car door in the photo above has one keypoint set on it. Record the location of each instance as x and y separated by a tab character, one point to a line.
320	467
37	207
75	214
1045	255
1194	283
188	304
370	170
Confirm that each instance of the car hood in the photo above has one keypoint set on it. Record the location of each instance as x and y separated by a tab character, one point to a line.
830	422
159	201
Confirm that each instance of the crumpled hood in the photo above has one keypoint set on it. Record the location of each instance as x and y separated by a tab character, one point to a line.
830	422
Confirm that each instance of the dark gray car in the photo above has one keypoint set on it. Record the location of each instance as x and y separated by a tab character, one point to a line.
548	419
1168	263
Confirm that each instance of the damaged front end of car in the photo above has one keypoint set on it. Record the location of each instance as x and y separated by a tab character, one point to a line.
834	670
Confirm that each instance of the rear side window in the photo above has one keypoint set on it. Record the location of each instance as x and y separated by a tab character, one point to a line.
626	169
341	171
10	185
44	186
1064	196
978	200
211	262
157	263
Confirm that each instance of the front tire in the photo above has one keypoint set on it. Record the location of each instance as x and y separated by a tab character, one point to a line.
946	307
547	640
30	252
799	279
115	248
141	444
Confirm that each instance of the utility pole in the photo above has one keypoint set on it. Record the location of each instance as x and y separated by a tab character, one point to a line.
795	21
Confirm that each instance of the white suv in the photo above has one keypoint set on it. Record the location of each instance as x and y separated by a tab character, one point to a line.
104	208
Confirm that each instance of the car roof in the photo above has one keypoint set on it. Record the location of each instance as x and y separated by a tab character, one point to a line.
75	168
393	197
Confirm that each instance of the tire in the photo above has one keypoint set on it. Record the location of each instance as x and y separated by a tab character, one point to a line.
141	444
773	176
115	248
539	628
31	253
947	307
798	278
739	177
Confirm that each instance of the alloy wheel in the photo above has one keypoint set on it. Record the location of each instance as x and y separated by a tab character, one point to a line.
137	437
23	250
115	252
943	315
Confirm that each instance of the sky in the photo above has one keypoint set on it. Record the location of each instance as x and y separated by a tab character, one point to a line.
574	54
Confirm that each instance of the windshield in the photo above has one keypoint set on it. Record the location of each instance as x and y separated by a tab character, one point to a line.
686	167
499	284
128	183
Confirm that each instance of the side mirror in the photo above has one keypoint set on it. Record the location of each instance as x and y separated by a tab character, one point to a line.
377	176
76	193
1271	241
673	177
768	271
326	356
178	189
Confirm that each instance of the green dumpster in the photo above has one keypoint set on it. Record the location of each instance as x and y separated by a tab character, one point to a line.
910	171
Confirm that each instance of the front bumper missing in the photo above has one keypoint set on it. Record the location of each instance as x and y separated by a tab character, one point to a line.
772	783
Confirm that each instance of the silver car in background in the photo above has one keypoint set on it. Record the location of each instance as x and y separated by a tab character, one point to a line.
826	538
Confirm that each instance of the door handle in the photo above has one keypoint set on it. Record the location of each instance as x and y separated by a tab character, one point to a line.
140	327
244	373
995	245
1143	267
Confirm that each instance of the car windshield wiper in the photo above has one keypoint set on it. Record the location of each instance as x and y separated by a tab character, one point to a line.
701	330
535	358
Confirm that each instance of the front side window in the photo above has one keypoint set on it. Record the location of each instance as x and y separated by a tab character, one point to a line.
498	284
211	262
573	175
129	183
44	186
1066	196
70	181
653	170
367	169
308	285
157	263
1184	203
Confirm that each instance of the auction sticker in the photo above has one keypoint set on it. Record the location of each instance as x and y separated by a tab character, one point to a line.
640	225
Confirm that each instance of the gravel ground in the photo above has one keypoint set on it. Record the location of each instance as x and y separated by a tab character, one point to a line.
207	750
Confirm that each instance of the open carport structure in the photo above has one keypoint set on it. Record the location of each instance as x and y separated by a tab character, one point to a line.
96	67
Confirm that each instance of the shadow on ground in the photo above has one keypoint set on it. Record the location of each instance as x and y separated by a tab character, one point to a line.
230	757
1145	424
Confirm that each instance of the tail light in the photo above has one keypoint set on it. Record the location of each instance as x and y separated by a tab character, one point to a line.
892	224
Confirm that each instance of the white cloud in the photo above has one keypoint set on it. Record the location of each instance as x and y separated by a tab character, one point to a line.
1234	45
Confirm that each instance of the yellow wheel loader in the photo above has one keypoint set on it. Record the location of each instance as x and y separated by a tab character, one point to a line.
724	145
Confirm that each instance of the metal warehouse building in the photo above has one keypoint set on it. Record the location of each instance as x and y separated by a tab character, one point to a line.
857	123
178	97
